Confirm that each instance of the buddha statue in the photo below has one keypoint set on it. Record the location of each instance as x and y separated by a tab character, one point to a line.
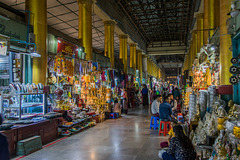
230	104
216	106
233	109
221	112
197	115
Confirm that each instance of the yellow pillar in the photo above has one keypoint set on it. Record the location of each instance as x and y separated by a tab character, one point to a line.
199	31
85	7
213	15
194	46
148	66
217	13
205	22
190	55
225	43
38	19
109	41
139	53
185	66
133	55
139	65
141	68
123	51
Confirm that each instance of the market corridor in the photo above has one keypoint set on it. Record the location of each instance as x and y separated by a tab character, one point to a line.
127	138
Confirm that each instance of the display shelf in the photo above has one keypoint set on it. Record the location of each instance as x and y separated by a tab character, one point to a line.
26	105
22	105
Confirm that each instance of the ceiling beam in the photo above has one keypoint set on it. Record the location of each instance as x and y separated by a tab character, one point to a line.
157	9
158	3
177	48
159	53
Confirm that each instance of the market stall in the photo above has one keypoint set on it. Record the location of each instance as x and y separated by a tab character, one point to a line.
214	125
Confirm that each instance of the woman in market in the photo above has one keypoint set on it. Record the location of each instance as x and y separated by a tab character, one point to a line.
4	152
124	98
145	96
181	147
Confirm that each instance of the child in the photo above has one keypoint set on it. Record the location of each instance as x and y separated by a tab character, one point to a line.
116	108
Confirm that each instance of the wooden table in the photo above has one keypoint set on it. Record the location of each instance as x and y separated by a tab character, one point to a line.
48	130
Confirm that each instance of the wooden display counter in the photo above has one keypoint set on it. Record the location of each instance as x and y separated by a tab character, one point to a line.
48	130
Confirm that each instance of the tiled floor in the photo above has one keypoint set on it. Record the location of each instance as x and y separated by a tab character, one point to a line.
127	138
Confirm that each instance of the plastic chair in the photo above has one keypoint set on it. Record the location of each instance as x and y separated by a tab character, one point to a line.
112	116
165	127
180	118
117	114
154	123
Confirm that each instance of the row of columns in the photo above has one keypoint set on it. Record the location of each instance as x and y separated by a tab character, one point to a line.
215	15
38	10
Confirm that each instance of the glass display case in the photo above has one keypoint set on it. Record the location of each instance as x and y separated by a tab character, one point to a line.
4	71
22	105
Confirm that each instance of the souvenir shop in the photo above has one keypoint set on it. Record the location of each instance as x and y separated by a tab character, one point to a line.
211	114
77	95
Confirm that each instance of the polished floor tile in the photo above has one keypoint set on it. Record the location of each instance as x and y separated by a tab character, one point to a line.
127	138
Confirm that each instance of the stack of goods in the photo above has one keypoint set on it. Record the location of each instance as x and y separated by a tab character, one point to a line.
63	66
203	101
186	97
192	106
227	143
212	95
74	121
199	80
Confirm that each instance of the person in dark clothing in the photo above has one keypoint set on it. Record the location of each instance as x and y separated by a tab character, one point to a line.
181	147
165	110
176	93
145	96
66	116
171	100
4	152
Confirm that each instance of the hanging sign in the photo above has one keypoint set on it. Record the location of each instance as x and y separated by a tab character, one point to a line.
3	48
66	47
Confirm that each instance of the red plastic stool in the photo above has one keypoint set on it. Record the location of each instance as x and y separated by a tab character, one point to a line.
165	129
180	114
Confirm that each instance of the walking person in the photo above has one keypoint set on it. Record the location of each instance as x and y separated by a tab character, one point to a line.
145	96
123	99
176	93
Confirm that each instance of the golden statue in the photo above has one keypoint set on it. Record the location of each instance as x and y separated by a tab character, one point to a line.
216	106
197	115
232	110
230	103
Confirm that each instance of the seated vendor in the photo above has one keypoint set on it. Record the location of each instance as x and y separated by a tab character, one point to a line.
117	108
165	110
155	106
